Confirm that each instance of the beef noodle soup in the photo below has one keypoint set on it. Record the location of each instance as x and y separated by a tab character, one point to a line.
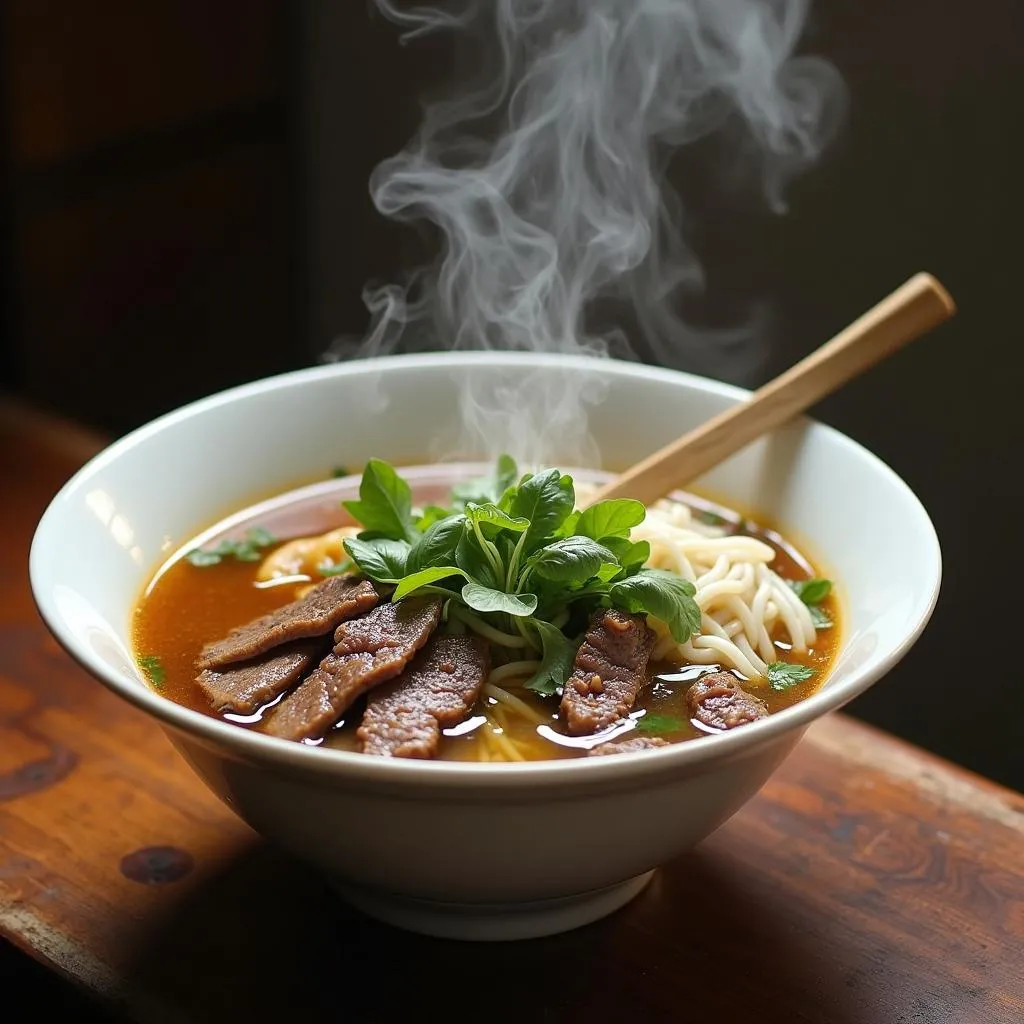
485	618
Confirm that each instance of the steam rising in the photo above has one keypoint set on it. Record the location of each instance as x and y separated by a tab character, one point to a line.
545	178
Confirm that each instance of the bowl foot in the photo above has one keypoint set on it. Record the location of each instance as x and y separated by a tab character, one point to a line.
492	922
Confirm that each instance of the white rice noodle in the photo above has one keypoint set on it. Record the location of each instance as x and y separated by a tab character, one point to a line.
743	603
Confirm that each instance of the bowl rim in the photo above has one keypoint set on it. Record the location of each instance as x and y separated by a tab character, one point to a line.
252	746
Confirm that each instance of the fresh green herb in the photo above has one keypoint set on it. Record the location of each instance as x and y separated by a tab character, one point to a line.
709	518
342	567
812	592
664	595
518	558
245	550
384	507
339	471
820	617
152	669
783	674
659	723
559	655
381	558
613	518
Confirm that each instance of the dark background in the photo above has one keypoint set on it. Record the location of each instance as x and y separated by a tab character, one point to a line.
183	201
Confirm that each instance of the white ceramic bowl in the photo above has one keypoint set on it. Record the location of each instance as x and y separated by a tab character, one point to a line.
455	849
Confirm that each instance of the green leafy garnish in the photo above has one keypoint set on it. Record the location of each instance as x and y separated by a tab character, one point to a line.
339	471
245	550
384	507
559	656
152	669
659	723
709	518
381	558
783	674
812	592
339	569
664	595
515	552
613	518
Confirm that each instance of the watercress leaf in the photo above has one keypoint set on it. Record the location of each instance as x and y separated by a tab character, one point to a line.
385	502
381	559
490	515
473	561
437	545
627	552
659	723
546	500
614	518
559	654
662	594
819	617
812	591
782	675
424	578
488	599
608	571
571	559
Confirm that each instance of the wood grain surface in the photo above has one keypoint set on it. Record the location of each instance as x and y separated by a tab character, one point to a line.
868	883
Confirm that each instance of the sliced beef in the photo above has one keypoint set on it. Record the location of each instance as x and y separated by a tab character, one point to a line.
367	651
719	702
245	687
611	666
329	603
436	691
628	746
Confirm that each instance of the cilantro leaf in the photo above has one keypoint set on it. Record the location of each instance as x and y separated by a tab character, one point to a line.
659	723
384	507
782	675
152	669
245	550
557	662
614	518
662	594
489	599
381	559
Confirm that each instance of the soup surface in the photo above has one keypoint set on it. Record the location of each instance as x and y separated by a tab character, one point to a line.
276	550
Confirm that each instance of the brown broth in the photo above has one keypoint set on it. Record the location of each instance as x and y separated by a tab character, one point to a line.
183	607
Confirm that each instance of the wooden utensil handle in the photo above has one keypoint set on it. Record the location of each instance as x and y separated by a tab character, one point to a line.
913	309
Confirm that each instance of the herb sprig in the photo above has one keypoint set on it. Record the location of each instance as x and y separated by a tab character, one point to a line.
812	592
513	552
246	550
153	669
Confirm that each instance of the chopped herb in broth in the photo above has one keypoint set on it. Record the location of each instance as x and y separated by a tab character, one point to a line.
598	622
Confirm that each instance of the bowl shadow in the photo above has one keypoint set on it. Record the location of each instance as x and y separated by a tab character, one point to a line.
266	937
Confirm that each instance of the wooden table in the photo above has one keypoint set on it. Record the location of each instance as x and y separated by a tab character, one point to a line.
868	883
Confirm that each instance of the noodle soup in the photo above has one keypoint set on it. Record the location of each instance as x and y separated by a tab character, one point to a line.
728	622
